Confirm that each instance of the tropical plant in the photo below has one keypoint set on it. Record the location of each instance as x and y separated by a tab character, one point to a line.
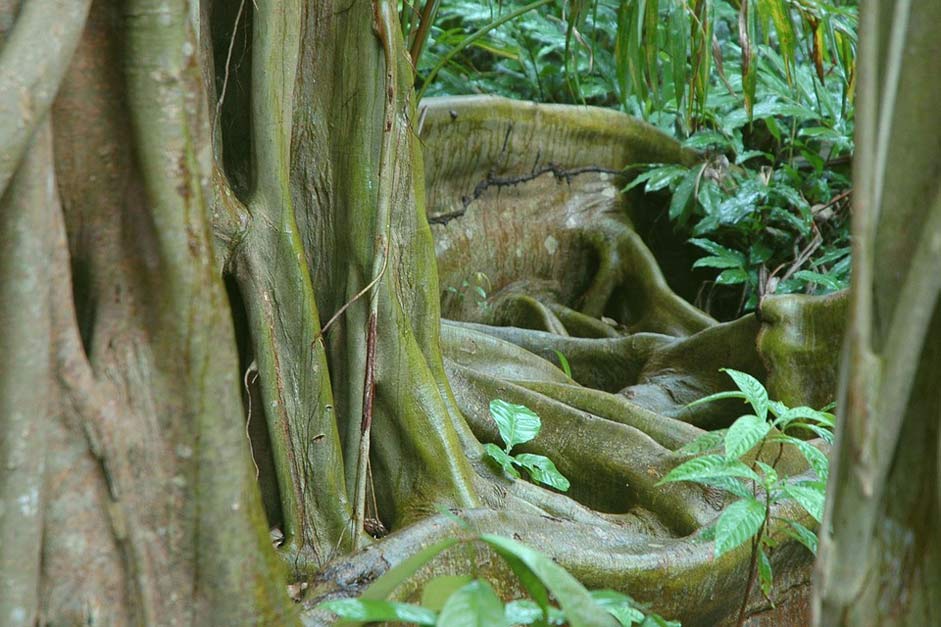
757	485
765	87
459	600
518	424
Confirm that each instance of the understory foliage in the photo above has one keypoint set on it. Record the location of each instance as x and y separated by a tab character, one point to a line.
764	88
518	424
555	596
738	470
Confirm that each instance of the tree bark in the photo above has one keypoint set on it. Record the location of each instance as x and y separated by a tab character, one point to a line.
879	562
226	363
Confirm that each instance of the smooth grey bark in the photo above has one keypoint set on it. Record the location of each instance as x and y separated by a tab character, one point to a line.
880	559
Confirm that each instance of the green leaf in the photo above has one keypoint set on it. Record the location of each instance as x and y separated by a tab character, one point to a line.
576	603
621	606
764	572
814	456
542	470
704	139
717	262
706	442
718	250
717	397
832	284
566	368
369	610
732	485
655	620
803	535
517	423
682	194
531	583
744	434
527	612
754	391
474	605
738	523
808	497
663	176
437	591
770	474
392	578
522	612
709	467
501	457
732	276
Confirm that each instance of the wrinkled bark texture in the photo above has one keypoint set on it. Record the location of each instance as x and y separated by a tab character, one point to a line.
222	282
881	553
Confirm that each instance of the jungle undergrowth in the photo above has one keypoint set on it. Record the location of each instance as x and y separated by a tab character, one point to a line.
723	459
764	89
555	596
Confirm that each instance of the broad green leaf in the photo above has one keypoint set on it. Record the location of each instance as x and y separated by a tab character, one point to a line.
732	276
831	283
522	612
369	610
682	194
474	605
436	592
392	578
501	457
527	612
709	467
732	485
621	606
803	535
576	603
663	176
642	177
706	442
517	423
814	456
717	262
753	389
531	583
718	250
704	139
764	572
542	470
809	498
738	523
744	434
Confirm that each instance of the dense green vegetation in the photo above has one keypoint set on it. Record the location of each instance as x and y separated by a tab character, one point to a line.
763	88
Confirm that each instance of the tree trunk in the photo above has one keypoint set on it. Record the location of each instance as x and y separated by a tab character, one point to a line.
881	555
222	325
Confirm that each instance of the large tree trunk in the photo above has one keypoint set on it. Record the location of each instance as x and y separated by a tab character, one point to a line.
881	552
217	267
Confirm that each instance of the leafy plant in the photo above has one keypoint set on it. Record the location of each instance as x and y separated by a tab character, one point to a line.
764	87
719	463
518	424
768	203
458	600
478	290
